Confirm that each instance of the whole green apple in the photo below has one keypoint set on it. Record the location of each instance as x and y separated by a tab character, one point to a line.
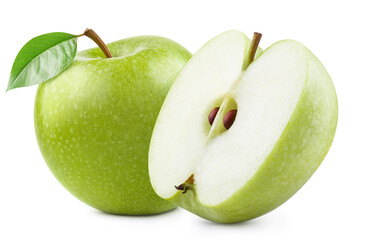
94	122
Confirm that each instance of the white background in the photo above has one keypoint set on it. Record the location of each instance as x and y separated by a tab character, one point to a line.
334	204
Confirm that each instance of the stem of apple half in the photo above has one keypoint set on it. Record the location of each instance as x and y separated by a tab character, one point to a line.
252	49
94	36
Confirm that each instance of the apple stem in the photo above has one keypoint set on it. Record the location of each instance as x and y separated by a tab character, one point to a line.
253	48
94	36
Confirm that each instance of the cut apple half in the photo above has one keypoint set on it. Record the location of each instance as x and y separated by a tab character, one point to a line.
226	123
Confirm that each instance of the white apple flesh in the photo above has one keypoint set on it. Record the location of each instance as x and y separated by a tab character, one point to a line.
285	123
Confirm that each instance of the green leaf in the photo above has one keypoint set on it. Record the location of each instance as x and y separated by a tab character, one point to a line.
42	58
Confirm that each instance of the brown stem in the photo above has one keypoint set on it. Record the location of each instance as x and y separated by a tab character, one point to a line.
94	36
253	48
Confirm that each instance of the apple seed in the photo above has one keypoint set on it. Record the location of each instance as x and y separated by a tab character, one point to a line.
229	118
212	115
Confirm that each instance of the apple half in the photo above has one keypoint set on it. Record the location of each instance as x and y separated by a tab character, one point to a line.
286	116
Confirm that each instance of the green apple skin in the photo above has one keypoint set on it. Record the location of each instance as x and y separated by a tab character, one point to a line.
295	157
94	122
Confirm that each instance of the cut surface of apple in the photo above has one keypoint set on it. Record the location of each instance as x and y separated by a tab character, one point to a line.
285	122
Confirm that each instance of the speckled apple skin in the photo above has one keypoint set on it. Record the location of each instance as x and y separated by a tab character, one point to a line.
296	156
94	122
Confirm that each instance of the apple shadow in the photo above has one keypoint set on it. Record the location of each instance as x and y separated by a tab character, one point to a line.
254	223
105	214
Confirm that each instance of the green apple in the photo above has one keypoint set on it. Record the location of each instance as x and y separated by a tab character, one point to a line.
285	111
94	122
